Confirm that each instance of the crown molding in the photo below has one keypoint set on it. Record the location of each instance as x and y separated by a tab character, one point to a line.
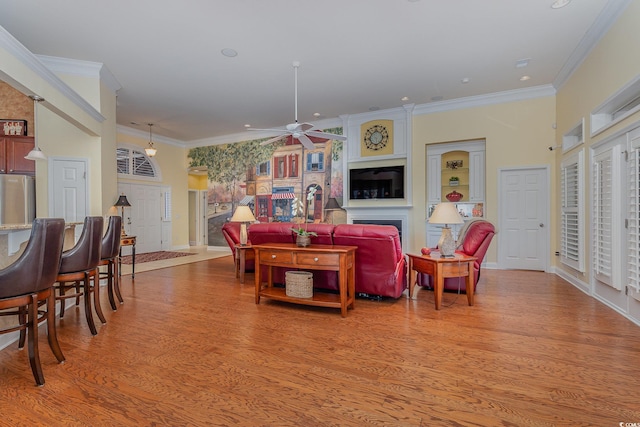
138	133
483	100
603	23
75	67
29	60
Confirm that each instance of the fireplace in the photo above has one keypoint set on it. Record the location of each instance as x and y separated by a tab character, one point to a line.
396	216
395	222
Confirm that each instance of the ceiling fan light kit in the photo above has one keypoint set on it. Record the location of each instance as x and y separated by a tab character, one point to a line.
299	131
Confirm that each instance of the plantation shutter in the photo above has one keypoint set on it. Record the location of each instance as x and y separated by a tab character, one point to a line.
633	218
571	237
602	218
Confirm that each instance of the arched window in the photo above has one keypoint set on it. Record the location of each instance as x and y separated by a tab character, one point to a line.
133	162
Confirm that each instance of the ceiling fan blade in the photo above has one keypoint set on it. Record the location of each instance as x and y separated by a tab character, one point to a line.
305	126
308	144
272	140
325	135
268	130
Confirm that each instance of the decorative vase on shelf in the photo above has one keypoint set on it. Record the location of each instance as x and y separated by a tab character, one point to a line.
303	241
454	196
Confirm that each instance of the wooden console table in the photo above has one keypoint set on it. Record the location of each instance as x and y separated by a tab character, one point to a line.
439	268
128	241
314	257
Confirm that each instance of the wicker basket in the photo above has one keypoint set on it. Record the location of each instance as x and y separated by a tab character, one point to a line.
299	284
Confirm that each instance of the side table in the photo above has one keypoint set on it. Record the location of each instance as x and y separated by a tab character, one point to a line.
128	241
243	252
439	268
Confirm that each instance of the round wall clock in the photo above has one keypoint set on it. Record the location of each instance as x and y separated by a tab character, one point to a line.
376	137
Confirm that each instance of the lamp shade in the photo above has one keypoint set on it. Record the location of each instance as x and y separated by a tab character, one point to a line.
122	201
332	205
36	154
445	213
243	214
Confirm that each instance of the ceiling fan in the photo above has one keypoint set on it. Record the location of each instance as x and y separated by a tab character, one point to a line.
300	131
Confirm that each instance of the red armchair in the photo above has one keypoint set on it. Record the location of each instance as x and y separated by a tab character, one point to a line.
475	243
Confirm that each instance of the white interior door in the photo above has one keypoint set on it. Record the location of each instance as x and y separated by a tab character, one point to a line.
523	209
197	217
68	189
144	218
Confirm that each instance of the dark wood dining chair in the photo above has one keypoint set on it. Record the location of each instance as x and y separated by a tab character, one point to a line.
79	265
28	283
109	258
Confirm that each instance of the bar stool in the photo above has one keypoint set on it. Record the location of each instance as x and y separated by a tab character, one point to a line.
28	283
79	265
109	257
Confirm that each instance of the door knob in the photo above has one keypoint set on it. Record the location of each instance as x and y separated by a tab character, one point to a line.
541	225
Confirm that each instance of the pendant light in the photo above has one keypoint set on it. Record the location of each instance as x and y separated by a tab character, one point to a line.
150	150
36	153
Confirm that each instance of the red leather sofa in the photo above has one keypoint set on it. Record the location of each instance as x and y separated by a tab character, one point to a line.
476	242
381	268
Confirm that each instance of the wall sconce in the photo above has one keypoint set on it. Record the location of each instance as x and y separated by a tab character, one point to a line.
243	215
446	213
36	153
150	150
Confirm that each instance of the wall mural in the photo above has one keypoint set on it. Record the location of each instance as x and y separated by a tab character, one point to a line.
270	179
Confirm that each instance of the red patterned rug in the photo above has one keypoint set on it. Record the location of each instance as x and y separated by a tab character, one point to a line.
154	256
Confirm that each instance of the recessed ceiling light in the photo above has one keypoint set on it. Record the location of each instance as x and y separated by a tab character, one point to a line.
247	125
316	114
524	78
559	3
227	51
465	80
404	98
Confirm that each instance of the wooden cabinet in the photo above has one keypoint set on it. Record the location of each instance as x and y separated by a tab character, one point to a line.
12	152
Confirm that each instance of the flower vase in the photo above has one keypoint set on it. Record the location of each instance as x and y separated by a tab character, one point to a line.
303	241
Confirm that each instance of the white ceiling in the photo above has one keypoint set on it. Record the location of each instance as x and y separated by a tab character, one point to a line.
355	55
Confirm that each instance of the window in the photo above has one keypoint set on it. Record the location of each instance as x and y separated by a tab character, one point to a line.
263	169
315	162
280	167
574	137
633	217
572	176
133	162
602	217
293	165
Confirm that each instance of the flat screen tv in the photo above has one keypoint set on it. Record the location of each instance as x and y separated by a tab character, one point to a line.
384	182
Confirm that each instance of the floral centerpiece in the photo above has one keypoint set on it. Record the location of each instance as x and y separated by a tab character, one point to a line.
298	208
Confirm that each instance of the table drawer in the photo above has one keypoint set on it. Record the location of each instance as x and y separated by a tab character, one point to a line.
323	259
276	256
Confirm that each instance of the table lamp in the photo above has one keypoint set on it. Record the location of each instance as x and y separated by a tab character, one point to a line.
331	206
122	202
243	215
446	213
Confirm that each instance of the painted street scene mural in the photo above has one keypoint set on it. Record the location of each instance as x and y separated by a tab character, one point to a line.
275	180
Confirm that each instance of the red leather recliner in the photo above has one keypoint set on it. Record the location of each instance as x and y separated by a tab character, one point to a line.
476	243
381	268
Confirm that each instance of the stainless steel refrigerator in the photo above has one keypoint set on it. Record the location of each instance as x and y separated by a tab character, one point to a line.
17	199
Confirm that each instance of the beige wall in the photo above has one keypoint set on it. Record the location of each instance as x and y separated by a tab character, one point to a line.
516	134
609	67
172	163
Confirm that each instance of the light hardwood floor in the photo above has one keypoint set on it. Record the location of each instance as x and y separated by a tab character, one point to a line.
189	347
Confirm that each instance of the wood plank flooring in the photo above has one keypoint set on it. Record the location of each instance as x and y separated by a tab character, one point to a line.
190	347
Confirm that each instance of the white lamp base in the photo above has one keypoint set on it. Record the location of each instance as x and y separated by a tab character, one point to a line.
243	233
446	244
